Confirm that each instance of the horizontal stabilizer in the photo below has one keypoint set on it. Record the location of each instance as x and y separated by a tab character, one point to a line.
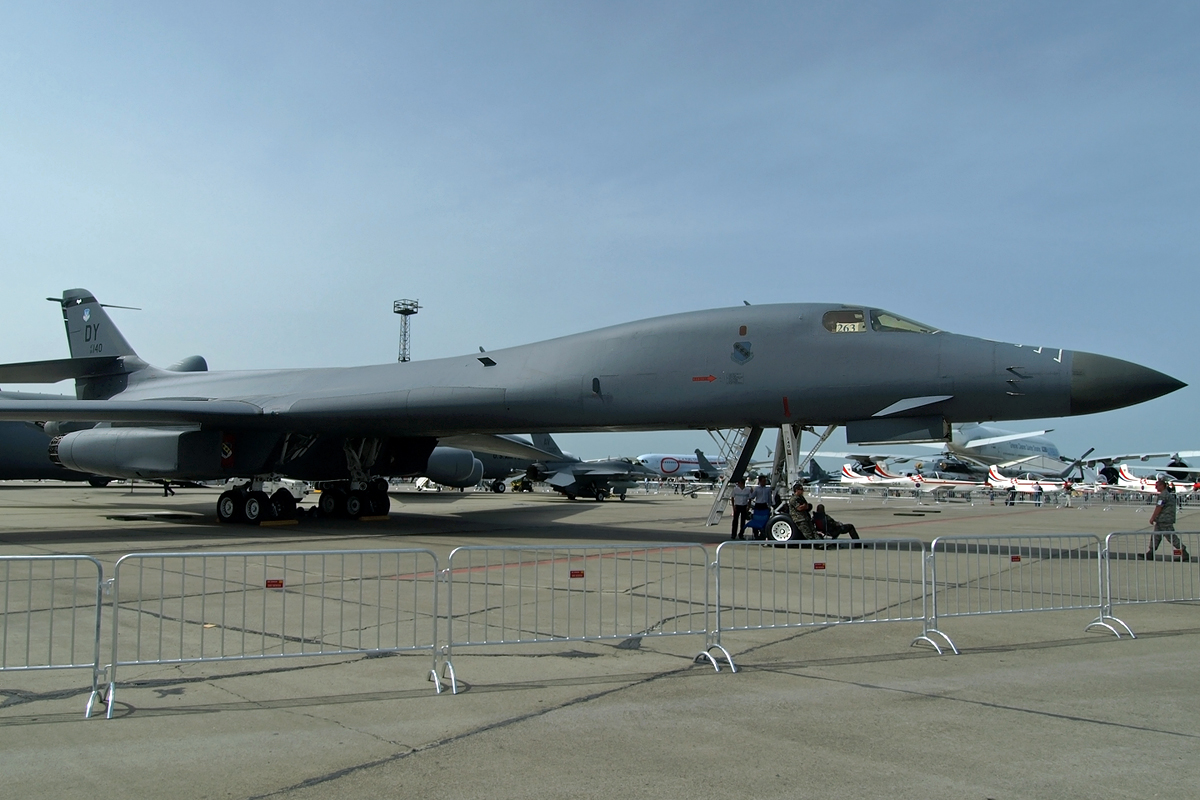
561	479
58	369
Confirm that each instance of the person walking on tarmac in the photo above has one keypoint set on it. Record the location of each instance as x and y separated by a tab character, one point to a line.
741	509
1163	520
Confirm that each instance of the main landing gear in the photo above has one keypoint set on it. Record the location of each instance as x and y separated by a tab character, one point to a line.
339	500
250	505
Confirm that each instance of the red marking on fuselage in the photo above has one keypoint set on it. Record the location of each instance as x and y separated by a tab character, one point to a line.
787	412
703	378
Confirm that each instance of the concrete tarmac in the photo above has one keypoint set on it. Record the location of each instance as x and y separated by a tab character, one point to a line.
1033	708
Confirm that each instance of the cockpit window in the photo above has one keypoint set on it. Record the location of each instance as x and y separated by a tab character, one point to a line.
846	320
885	321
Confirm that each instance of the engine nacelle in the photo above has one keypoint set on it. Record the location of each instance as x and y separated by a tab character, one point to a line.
452	466
149	453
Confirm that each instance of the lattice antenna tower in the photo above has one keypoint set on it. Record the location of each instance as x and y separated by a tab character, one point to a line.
405	308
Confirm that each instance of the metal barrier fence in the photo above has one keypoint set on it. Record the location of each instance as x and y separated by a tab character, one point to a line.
539	594
982	575
176	608
761	586
51	615
1148	567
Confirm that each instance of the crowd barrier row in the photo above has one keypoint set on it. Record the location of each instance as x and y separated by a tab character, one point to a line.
197	607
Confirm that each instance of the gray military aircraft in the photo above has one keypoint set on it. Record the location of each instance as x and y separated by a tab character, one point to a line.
885	378
565	473
573	477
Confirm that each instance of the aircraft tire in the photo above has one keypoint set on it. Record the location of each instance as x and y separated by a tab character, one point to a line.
356	505
99	481
622	496
498	486
331	502
570	495
256	507
780	528
229	509
599	495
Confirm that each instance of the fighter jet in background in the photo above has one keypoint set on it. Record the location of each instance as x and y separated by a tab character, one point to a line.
572	478
885	378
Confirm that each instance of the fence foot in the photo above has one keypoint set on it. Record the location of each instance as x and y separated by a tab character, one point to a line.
108	699
925	638
706	655
1102	622
91	703
447	667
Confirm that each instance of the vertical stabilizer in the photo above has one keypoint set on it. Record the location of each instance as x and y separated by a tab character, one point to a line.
706	466
90	332
543	441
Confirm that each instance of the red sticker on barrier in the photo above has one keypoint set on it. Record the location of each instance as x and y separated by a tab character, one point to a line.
1178	554
274	583
1014	559
576	573
819	565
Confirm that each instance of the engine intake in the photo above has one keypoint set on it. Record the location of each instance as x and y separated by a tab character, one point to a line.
452	466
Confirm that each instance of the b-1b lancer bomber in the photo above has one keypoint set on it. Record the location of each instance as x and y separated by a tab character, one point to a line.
885	378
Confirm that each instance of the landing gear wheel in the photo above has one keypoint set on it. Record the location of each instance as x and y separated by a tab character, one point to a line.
622	496
356	504
283	504
256	507
229	508
781	529
600	495
570	495
98	482
499	486
331	502
378	486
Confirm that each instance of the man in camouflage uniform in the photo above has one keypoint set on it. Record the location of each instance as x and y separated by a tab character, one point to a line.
801	514
1163	520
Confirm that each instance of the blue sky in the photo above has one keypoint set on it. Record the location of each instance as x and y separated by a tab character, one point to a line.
263	179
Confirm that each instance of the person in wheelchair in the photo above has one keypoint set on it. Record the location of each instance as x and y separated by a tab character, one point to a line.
829	526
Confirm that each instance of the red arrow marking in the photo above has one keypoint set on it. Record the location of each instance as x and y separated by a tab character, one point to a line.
709	378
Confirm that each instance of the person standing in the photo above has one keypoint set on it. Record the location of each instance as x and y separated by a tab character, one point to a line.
761	494
741	509
1163	520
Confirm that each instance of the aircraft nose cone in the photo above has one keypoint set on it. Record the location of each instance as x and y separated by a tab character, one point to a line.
1100	383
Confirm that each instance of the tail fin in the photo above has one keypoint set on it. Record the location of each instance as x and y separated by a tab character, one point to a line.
90	332
100	356
543	441
816	474
705	465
